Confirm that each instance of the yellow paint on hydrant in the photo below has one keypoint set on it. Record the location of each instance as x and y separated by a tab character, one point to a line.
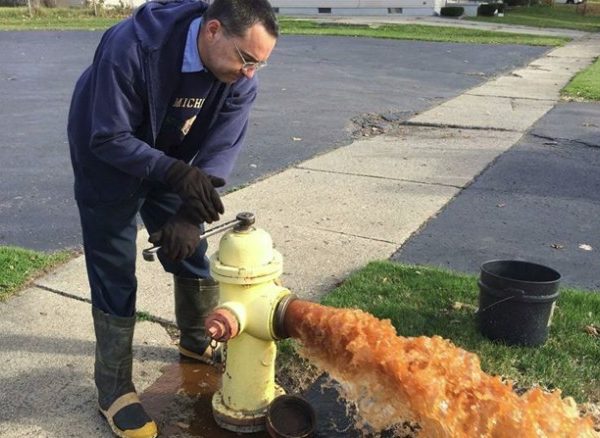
247	268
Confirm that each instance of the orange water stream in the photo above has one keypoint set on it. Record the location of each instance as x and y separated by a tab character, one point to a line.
427	380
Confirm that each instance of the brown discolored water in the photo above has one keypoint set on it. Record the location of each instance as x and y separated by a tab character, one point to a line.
180	401
427	380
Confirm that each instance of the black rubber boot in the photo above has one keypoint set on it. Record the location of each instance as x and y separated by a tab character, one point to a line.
194	300
117	398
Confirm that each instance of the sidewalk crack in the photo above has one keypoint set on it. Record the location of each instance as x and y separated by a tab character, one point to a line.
559	139
338	172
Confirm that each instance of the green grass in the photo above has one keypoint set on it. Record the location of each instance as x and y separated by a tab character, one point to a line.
424	301
17	18
80	18
19	266
585	85
416	32
557	16
142	315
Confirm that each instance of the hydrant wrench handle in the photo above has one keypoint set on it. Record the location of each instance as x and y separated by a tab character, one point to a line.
242	220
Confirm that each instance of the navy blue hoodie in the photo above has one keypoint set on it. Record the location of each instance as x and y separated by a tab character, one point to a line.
120	101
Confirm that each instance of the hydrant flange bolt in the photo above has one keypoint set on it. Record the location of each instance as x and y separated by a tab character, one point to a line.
222	325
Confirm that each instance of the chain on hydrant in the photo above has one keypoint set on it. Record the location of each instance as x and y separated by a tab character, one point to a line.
249	318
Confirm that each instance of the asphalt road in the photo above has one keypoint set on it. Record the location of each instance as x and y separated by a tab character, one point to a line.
540	201
311	90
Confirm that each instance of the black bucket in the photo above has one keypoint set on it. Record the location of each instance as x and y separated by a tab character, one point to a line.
516	300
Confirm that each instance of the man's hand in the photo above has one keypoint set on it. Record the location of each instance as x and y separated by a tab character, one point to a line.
178	238
197	189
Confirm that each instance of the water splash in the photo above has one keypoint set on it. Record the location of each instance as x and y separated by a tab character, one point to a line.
427	380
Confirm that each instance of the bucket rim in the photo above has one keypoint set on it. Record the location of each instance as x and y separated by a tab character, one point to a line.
281	404
539	265
523	298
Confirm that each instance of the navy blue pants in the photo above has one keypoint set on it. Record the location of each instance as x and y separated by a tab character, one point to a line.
109	242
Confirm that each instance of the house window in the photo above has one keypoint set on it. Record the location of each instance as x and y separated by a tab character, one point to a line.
324	10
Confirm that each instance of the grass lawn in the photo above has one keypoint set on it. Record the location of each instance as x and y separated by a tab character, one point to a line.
557	16
19	266
585	85
425	301
416	32
17	18
64	19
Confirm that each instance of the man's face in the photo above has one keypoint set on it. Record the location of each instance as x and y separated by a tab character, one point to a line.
229	57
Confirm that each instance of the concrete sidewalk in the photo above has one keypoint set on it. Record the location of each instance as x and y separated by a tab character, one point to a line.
328	216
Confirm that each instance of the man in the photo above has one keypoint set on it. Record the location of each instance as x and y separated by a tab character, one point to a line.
155	125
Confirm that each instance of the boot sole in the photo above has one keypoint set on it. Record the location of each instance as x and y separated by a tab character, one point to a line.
148	430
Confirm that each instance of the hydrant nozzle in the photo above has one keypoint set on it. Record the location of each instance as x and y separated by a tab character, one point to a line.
222	325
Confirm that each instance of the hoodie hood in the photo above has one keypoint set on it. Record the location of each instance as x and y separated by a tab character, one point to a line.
155	19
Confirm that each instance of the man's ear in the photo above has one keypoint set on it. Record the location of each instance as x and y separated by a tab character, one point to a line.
213	29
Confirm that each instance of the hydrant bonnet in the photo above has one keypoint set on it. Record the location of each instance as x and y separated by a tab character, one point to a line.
246	257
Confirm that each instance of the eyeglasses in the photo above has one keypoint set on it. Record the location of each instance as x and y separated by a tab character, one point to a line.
249	65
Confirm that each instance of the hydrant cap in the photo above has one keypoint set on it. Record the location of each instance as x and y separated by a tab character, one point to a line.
246	255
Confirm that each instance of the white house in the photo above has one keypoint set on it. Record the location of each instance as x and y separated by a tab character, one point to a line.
329	7
354	7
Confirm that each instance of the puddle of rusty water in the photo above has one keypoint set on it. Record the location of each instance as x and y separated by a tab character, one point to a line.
180	402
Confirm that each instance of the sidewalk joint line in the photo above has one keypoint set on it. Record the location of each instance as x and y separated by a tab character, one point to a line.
338	172
452	126
356	235
63	294
147	316
537	99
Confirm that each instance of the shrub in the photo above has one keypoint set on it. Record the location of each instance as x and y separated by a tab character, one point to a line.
452	11
511	3
487	10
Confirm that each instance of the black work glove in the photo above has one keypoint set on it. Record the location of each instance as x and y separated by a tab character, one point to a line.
179	237
197	189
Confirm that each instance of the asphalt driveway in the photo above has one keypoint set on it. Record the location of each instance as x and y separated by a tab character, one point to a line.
311	91
540	201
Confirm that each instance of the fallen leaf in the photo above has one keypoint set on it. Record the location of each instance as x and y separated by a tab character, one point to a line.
457	305
592	330
182	425
585	247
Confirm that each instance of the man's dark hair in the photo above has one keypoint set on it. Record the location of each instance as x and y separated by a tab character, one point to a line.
237	16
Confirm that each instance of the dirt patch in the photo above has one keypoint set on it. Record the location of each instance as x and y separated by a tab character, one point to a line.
372	124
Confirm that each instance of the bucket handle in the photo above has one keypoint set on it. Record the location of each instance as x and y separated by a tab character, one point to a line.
515	293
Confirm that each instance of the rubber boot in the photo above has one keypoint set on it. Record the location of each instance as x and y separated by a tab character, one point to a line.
194	300
117	398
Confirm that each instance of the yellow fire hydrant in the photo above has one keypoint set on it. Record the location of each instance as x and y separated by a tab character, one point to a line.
249	318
